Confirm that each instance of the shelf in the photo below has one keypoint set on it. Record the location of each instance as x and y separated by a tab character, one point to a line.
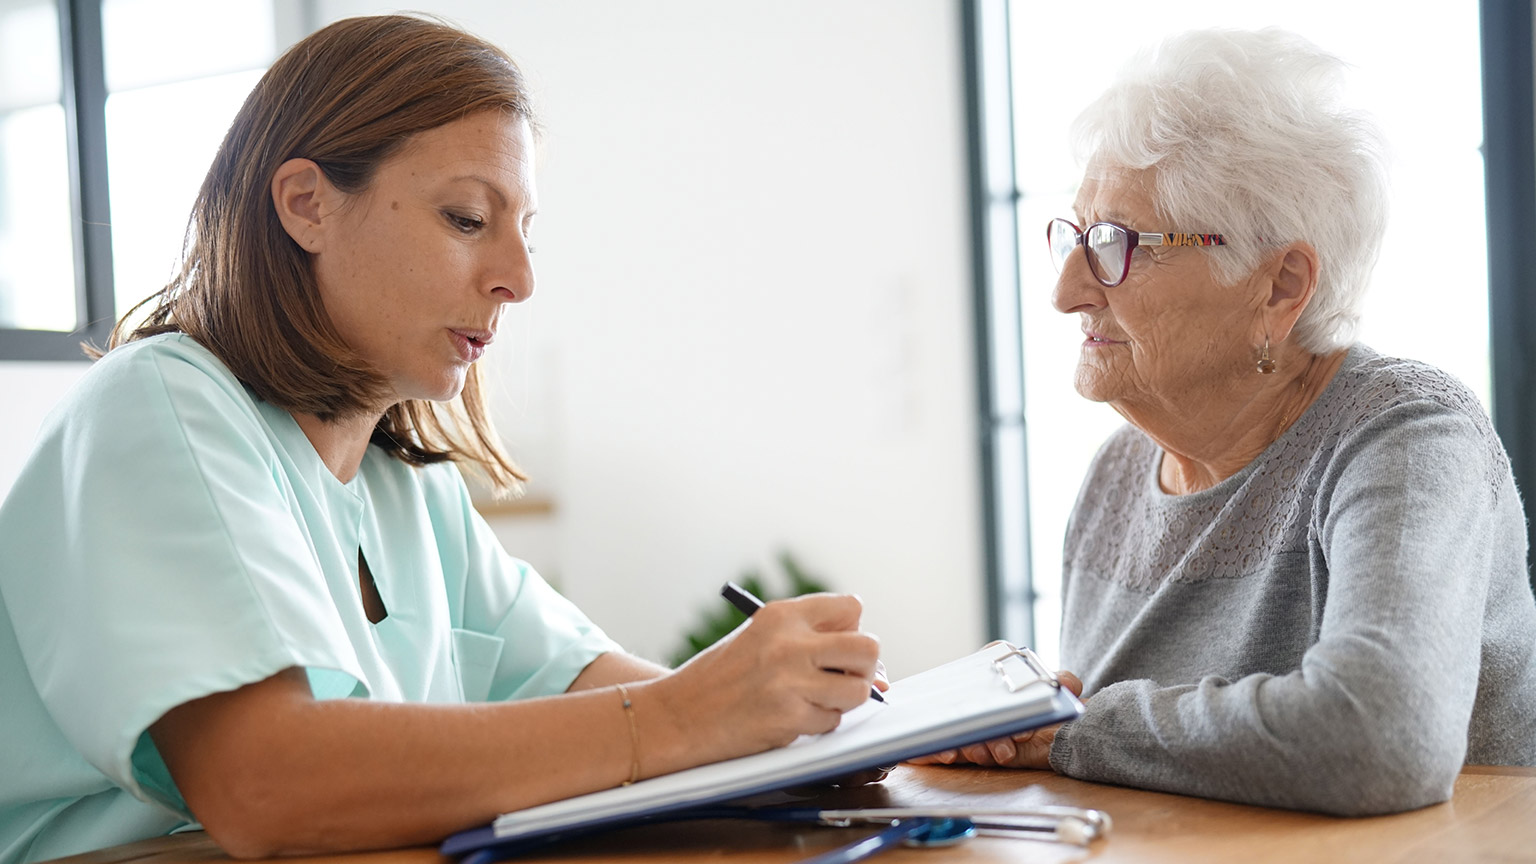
516	507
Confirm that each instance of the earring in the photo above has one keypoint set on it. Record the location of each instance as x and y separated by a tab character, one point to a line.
1266	366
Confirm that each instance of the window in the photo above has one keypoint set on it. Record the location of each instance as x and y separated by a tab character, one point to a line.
1429	300
110	113
35	236
49	156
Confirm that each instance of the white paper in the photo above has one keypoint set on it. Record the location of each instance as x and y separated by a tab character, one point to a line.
935	706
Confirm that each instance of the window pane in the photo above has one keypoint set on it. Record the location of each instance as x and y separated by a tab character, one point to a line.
30	71
1430	306
37	253
167	111
149	42
155	176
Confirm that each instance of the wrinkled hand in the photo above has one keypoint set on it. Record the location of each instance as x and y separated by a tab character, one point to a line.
1031	749
792	669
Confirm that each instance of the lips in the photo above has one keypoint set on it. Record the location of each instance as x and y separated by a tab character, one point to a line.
1100	339
484	337
471	344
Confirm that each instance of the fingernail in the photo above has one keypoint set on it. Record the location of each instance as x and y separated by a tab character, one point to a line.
1005	752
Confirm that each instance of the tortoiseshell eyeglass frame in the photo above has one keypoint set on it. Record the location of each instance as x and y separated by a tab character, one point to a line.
1103	244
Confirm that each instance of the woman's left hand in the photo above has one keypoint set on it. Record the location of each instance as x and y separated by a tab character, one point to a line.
1031	749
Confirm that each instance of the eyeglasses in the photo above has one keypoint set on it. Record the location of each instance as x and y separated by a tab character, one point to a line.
1109	246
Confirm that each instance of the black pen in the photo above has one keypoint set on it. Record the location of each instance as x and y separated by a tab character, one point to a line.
744	600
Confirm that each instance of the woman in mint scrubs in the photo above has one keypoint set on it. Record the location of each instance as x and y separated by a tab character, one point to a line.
242	582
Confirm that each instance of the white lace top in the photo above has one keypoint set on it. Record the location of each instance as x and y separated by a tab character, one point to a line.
1337	627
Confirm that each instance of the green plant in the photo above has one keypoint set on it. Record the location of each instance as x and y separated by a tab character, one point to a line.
721	617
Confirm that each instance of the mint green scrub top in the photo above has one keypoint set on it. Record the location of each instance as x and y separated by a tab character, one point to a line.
172	536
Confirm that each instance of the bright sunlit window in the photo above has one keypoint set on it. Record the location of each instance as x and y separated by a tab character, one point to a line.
167	111
110	113
1428	300
109	168
37	253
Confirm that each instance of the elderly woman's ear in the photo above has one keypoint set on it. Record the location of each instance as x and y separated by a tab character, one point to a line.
1292	280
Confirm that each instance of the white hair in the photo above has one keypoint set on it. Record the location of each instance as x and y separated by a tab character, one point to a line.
1248	139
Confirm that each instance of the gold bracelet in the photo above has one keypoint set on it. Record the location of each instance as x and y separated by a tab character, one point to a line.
634	736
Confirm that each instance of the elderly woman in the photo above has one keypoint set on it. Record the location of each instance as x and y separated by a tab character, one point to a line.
1298	576
242	582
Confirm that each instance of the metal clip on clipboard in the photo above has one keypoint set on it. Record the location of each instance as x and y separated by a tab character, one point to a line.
1008	667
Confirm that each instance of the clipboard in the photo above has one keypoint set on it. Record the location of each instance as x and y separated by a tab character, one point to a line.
1000	690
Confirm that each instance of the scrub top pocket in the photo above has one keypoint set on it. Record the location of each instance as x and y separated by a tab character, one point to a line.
475	656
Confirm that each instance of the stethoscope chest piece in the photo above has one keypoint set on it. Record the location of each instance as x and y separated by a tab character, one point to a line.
941	832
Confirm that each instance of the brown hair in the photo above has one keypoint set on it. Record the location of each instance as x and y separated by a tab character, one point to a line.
347	97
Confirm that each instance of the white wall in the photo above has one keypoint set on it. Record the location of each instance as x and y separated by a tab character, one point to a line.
28	391
752	323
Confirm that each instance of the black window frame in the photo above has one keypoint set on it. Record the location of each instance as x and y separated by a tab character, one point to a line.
998	329
1509	177
1509	149
84	98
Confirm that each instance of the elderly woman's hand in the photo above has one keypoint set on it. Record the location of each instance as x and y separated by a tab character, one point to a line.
1031	749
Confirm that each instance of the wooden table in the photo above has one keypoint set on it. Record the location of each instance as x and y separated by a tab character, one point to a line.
1491	818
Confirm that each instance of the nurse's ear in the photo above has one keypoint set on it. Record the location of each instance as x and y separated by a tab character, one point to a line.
304	197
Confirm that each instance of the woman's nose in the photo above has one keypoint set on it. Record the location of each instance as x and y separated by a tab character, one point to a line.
513	282
1077	289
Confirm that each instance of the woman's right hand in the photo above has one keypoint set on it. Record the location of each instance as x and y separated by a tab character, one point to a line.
791	670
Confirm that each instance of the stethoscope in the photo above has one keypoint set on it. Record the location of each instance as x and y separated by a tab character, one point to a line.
930	826
905	826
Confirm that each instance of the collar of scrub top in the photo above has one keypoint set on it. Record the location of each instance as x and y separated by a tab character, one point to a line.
910	826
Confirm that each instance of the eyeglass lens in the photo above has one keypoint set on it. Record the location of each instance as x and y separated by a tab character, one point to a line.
1107	247
1107	252
1063	238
